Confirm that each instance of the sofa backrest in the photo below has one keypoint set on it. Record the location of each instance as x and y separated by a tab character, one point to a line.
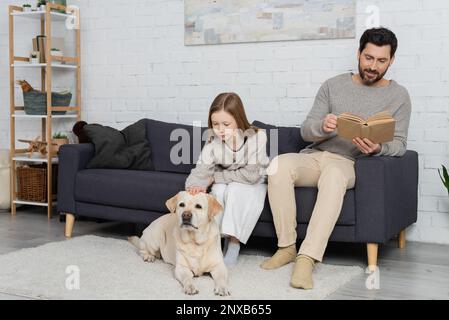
168	156
161	133
289	139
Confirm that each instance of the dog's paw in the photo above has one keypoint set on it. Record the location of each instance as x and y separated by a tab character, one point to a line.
147	257
190	289
151	259
222	291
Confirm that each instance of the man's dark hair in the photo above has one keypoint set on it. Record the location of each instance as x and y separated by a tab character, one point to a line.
379	37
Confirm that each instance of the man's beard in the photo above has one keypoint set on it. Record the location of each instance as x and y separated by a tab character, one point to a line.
370	81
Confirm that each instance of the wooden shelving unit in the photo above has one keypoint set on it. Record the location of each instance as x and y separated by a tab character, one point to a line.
73	64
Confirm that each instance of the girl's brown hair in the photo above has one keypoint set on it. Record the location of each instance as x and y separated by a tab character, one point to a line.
232	104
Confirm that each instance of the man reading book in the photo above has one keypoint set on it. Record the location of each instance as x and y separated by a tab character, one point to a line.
328	163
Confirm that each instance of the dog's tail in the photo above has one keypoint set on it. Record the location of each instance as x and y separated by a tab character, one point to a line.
136	242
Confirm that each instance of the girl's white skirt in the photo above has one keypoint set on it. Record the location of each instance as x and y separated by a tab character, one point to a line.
243	204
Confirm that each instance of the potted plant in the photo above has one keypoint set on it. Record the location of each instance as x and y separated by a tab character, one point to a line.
58	140
56	52
60	2
27	7
34	57
41	5
444	178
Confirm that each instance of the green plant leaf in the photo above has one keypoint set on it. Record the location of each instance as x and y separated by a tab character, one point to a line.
444	178
59	135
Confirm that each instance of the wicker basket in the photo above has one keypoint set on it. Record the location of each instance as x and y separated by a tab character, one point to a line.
32	182
35	102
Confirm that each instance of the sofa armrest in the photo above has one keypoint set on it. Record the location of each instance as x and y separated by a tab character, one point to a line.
72	158
386	196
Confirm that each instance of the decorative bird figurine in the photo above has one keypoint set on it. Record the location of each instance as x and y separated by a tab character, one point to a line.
26	87
36	146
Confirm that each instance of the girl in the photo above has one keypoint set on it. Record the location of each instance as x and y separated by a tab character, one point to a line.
234	160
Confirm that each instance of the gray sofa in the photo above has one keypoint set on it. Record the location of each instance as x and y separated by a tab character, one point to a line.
380	206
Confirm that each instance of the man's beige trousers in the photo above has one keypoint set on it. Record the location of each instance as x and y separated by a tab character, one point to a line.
331	173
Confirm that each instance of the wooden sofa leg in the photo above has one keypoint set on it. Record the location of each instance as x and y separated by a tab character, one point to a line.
69	221
401	239
372	255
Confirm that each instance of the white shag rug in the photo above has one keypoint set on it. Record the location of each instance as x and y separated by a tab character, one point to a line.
111	269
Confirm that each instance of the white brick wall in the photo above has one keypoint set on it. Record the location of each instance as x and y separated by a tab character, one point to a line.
135	65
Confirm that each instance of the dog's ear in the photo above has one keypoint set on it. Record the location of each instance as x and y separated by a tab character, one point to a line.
214	207
172	203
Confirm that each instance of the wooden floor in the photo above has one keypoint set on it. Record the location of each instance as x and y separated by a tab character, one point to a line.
420	271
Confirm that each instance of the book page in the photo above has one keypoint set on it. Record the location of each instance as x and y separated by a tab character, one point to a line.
380	121
379	116
352	117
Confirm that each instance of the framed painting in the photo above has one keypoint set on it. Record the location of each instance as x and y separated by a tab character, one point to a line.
233	21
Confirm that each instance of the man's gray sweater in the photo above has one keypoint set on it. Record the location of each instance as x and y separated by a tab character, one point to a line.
341	94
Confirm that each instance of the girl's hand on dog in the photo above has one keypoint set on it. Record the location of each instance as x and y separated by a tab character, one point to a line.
195	190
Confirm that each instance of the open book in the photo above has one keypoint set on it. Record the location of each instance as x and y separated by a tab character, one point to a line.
378	128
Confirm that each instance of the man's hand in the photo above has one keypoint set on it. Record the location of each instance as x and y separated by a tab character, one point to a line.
330	123
195	190
367	146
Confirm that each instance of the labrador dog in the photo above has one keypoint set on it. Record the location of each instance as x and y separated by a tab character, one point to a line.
188	238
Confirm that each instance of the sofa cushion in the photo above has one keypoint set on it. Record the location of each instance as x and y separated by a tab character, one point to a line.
179	155
144	190
114	149
289	139
305	200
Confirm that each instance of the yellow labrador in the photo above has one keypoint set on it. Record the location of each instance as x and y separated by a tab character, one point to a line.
188	238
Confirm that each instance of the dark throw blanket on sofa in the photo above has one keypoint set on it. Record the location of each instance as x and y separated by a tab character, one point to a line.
114	149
